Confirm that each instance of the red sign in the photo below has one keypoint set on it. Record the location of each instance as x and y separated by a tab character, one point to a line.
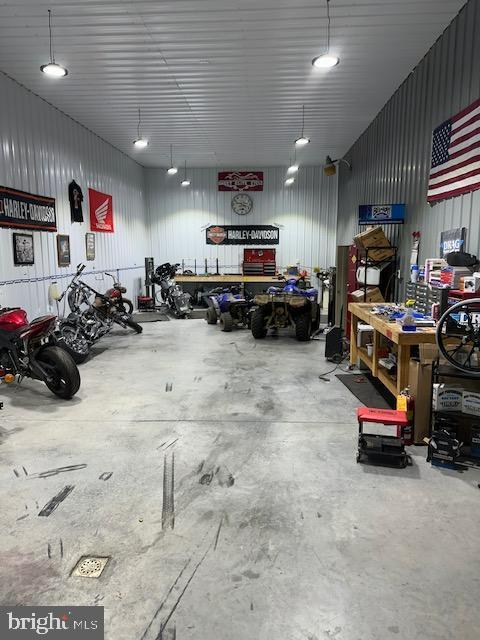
240	180
101	211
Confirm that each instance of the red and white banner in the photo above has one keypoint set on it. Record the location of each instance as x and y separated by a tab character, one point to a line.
240	180
101	211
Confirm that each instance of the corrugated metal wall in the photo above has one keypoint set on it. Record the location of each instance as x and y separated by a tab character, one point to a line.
41	151
391	159
306	212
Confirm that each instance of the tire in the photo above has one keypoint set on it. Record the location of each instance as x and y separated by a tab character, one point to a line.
303	324
258	324
211	316
58	362
134	325
78	350
126	306
226	321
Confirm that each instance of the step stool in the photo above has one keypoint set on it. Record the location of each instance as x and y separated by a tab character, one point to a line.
385	448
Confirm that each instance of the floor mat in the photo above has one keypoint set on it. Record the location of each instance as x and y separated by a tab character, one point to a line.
150	316
369	390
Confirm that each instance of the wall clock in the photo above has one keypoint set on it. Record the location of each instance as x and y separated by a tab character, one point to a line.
242	204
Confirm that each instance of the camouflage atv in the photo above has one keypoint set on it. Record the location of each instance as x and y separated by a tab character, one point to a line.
290	306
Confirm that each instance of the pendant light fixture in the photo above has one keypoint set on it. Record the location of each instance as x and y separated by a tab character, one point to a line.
289	181
172	170
140	142
293	168
302	140
52	68
185	181
326	60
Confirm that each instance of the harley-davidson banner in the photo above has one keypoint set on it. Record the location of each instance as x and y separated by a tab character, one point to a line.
240	180
257	234
101	211
21	210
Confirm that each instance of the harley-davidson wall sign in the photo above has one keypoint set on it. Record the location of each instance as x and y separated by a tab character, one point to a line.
240	180
21	210
258	234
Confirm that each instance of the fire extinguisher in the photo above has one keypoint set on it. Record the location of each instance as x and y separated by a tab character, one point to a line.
405	402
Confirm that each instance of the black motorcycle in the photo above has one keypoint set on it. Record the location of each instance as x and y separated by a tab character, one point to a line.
89	319
171	294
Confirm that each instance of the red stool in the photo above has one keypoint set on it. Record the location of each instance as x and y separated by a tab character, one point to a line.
386	448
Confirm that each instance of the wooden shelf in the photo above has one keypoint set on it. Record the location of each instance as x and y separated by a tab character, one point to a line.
364	357
388	380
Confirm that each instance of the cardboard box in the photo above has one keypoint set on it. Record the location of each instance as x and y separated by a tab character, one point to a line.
371	238
373	295
447	397
420	381
471	403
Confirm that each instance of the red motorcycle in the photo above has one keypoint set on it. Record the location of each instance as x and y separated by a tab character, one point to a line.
28	350
116	295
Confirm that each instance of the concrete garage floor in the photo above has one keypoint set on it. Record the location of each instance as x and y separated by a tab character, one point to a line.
265	529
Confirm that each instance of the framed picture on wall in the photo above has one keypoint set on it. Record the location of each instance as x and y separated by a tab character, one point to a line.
63	250
23	248
90	246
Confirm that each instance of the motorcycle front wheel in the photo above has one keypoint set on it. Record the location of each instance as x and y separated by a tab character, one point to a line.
134	325
64	374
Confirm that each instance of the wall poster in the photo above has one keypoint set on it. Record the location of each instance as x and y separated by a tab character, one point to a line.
23	249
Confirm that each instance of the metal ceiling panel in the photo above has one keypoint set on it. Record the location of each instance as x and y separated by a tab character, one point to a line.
221	80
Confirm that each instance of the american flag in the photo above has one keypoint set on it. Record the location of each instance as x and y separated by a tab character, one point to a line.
455	167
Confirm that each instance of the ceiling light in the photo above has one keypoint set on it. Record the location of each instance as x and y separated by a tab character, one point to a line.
302	140
140	142
172	170
185	181
52	68
326	60
289	181
293	168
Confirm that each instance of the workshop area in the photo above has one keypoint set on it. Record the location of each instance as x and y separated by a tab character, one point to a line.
273	530
239	319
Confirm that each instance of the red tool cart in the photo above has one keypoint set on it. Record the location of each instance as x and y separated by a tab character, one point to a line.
381	437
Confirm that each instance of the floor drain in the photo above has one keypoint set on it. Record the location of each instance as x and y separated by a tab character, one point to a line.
90	567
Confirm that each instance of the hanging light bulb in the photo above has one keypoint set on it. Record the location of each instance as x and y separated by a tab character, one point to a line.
326	60
52	68
302	140
140	142
293	166
171	170
289	181
185	182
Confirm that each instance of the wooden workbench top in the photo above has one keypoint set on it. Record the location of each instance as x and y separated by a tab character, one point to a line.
392	330
229	277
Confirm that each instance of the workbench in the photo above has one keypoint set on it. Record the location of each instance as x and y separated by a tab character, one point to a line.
393	332
229	278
